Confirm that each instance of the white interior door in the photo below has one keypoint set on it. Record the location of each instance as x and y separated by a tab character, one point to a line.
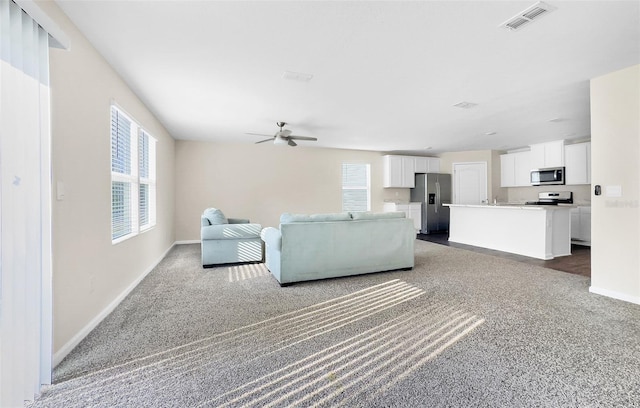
470	183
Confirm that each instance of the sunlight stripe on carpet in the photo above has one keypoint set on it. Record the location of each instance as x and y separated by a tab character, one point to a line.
161	370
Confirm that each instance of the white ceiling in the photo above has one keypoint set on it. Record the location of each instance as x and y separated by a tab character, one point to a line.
385	74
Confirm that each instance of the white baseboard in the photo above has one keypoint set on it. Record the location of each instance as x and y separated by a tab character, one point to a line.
59	355
615	295
188	241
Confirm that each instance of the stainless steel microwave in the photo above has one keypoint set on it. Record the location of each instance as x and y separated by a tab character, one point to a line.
547	176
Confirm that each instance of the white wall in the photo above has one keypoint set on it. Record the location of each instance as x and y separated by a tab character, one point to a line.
260	182
615	154
89	273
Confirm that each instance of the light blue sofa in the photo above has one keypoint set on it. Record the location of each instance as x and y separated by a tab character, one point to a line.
228	240
319	246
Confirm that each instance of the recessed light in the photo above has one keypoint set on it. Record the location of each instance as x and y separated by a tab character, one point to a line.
491	133
297	76
556	120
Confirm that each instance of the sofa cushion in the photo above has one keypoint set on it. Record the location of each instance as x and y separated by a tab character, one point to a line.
377	216
287	218
215	216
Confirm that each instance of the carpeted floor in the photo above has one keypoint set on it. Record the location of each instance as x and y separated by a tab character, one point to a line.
461	329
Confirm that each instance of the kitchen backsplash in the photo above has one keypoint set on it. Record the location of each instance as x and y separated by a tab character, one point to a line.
581	194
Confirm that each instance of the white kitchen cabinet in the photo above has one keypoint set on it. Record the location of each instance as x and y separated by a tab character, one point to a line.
581	225
550	154
427	164
507	170
399	171
411	210
515	169
522	169
577	158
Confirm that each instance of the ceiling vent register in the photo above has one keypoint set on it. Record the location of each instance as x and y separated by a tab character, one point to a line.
527	16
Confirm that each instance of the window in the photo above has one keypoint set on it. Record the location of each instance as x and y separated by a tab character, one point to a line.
355	187
133	177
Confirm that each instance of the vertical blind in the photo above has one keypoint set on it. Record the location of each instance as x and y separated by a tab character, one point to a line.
355	187
25	207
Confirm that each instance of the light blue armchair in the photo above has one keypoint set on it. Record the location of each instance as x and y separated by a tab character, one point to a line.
228	240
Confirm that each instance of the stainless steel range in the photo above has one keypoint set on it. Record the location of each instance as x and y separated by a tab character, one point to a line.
553	198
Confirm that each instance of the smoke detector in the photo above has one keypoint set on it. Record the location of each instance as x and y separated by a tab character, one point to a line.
527	16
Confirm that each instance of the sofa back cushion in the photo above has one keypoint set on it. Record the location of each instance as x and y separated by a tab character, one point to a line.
215	216
377	216
287	218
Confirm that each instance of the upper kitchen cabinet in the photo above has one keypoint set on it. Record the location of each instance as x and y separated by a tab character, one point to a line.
399	171
550	154
577	159
427	164
515	169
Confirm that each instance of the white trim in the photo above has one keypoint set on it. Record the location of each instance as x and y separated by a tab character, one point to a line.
60	39
75	340
615	295
188	241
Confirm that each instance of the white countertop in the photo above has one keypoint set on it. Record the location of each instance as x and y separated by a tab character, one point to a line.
515	206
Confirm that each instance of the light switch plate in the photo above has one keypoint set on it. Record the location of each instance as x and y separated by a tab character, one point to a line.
613	191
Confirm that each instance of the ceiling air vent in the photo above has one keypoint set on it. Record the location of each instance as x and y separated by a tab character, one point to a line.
527	16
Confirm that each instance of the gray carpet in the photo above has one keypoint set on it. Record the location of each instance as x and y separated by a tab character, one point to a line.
461	329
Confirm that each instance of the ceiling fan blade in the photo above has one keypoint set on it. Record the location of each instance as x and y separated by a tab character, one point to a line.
265	140
291	143
257	134
303	138
284	132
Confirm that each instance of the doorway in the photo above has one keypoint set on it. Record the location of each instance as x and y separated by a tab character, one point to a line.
470	183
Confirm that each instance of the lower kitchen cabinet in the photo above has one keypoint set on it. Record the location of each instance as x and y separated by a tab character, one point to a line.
412	210
581	225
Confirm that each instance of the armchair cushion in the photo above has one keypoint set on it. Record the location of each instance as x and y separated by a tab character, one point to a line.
215	216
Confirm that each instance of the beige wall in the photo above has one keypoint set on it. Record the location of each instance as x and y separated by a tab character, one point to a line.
615	153
260	182
492	158
89	273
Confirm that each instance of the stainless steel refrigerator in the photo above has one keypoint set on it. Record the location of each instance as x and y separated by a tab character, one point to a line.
433	190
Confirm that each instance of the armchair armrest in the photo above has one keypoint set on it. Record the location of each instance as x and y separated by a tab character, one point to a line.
272	237
230	231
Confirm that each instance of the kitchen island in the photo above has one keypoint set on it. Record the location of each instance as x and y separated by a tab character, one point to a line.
537	231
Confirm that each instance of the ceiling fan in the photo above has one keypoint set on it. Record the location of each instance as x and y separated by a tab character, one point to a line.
283	136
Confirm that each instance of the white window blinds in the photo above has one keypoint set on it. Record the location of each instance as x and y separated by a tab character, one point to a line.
133	177
356	194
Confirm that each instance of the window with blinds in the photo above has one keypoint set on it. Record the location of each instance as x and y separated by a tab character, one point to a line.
356	186
133	177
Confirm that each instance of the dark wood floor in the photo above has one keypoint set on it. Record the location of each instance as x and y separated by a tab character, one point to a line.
579	262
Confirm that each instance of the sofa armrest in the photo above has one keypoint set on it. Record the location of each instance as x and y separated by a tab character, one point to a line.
272	237
230	231
238	221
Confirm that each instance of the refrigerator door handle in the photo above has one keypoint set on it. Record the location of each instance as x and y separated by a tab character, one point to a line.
437	196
